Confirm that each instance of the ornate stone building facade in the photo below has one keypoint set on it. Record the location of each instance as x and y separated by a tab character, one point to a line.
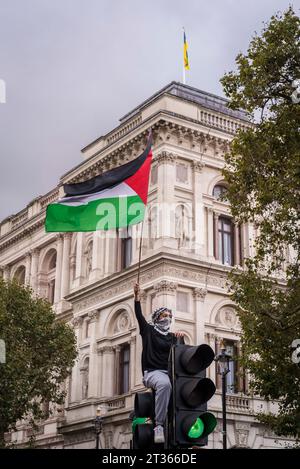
189	244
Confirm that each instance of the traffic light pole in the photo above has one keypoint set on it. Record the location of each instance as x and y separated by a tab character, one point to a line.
224	410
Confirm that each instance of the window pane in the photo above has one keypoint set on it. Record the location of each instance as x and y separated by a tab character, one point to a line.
182	301
227	249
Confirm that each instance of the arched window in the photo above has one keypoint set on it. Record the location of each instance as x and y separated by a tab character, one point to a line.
219	191
20	275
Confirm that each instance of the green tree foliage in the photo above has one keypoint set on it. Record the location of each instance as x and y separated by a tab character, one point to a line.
263	175
40	352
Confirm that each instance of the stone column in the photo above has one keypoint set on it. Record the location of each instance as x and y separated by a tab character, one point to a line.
34	269
97	256
210	233
236	245
216	235
107	377
210	339
28	268
65	278
75	379
199	214
133	369
79	261
166	199
111	252
58	271
245	240
166	294
199	295
116	381
100	368
93	368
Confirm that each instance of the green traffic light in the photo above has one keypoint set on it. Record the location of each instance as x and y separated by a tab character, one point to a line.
196	429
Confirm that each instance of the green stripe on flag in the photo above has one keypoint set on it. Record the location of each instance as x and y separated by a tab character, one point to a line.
101	214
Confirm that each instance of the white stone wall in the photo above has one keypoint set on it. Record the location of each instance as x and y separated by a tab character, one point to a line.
95	296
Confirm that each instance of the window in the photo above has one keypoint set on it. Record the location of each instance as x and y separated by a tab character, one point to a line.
124	369
20	275
225	240
126	248
154	175
182	301
236	379
181	173
219	191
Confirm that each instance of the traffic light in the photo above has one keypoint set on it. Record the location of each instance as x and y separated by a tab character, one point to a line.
142	424
189	422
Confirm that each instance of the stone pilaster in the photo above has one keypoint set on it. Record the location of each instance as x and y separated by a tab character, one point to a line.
75	390
165	294
79	261
65	277
27	268
108	371
97	256
199	295
34	268
93	368
199	214
216	236
166	199
58	271
210	233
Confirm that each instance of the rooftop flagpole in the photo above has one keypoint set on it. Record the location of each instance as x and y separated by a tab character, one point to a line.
183	61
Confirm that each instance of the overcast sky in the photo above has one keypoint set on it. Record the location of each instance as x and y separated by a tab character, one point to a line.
73	67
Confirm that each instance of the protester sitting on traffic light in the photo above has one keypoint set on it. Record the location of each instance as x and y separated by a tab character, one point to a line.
157	341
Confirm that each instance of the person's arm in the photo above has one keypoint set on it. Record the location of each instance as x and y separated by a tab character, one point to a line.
138	310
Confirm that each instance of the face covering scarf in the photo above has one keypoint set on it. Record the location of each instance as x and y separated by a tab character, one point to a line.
163	325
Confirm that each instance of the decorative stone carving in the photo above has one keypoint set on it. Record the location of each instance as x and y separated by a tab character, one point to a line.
122	322
165	157
226	316
77	322
198	166
165	286
241	433
93	315
199	293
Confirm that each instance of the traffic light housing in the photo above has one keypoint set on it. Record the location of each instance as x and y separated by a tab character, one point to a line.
190	423
142	425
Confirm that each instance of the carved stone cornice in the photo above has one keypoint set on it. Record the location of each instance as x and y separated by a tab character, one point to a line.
106	349
165	286
199	293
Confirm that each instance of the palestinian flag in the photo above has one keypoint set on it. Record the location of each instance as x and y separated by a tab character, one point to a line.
114	199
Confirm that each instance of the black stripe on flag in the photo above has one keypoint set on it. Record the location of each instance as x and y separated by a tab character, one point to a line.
109	178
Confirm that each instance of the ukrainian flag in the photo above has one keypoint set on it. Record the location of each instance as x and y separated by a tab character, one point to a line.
185	53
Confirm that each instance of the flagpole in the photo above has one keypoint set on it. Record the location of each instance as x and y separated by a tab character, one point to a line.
183	67
140	253
141	238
